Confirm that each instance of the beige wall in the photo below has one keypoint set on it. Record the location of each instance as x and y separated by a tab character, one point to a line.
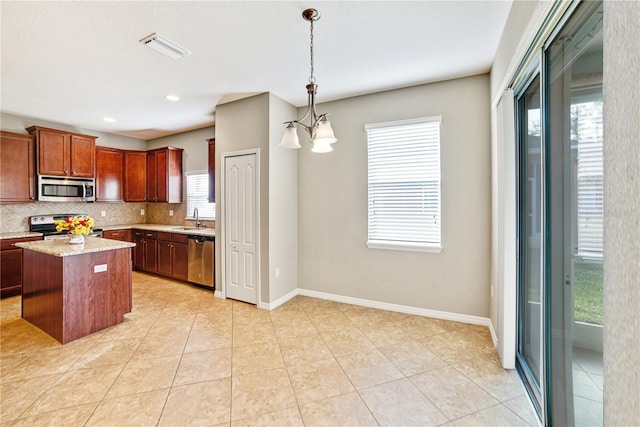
256	123
242	125
283	204
622	213
333	204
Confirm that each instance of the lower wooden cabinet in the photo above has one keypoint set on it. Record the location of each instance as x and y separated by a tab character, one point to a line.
172	255
122	235
11	266
145	254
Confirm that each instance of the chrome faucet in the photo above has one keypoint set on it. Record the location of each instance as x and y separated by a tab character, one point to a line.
195	215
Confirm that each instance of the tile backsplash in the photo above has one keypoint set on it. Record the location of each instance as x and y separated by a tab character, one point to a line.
14	216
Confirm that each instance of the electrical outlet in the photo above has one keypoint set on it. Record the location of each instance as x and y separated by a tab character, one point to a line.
142	212
171	212
103	213
277	273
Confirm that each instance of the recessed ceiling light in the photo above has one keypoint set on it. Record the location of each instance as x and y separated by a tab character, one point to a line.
109	119
172	98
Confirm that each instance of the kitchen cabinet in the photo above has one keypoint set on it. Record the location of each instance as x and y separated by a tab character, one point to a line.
172	255
123	236
164	175
212	170
146	251
135	176
61	153
109	174
11	266
17	167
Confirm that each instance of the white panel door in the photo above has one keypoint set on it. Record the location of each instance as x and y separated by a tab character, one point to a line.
240	228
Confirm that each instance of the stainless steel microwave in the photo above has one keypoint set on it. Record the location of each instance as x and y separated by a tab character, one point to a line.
66	189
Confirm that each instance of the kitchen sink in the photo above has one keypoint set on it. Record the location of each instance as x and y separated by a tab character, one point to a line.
186	228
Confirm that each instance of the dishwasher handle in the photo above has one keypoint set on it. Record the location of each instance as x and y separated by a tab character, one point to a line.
199	239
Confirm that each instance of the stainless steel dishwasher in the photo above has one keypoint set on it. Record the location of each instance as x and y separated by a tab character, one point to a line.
200	266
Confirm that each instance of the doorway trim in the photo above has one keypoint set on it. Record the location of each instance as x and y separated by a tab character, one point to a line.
223	222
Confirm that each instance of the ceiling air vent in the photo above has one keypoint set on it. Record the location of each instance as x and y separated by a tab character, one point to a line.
162	45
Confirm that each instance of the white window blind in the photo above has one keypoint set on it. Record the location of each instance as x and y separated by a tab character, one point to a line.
198	196
404	184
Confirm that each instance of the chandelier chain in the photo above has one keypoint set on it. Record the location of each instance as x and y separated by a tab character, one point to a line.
312	79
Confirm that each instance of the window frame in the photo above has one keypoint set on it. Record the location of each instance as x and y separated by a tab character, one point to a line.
405	245
206	195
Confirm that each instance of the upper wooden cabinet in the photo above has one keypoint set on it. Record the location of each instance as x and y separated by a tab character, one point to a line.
17	167
109	174
164	175
135	176
212	170
63	153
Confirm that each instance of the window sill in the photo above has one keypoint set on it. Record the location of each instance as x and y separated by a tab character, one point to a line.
401	246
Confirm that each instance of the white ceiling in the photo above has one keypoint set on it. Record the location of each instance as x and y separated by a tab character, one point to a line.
76	62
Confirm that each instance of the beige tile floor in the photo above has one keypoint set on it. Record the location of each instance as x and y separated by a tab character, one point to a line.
183	357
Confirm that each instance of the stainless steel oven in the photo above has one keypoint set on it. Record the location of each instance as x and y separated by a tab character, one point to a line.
45	224
65	189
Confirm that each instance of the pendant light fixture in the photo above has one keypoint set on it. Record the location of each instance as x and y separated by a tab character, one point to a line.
319	129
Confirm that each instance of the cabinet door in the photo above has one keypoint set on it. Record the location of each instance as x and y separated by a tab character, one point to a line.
53	153
212	170
150	252
174	175
180	256
17	167
161	176
10	272
82	156
138	251
11	266
135	176
109	175
152	176
164	258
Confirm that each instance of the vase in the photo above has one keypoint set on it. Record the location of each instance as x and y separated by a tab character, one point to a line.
76	240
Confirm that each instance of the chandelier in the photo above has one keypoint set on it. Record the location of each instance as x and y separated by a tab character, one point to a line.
319	129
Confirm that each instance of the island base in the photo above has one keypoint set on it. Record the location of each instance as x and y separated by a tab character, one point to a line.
70	297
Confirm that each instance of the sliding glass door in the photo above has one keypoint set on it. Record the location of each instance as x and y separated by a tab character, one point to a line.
574	218
560	223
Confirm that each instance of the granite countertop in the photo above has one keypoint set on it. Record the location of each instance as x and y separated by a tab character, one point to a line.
180	229
19	235
62	247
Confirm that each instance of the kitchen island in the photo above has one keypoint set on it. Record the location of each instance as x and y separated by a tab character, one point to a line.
70	291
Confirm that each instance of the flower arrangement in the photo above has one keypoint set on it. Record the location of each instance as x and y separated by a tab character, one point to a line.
75	225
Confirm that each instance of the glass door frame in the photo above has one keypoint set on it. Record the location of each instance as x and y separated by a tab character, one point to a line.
536	391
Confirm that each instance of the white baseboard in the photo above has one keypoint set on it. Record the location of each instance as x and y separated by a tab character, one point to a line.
277	303
494	336
218	294
425	312
444	315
